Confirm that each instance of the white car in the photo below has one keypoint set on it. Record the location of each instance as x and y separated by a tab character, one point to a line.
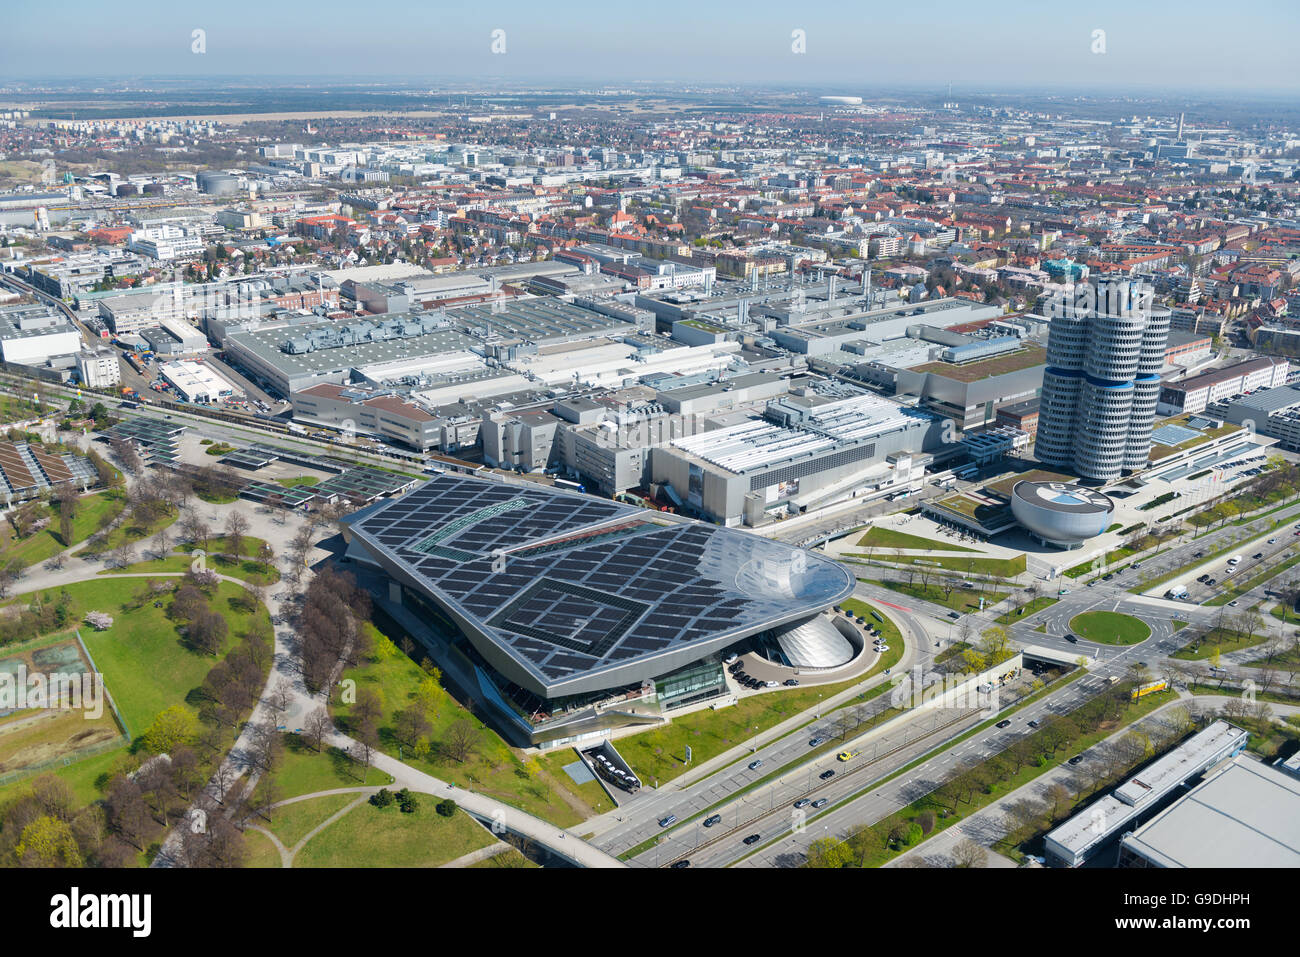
882	648
731	659
771	684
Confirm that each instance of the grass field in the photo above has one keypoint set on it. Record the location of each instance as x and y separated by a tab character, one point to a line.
507	858
144	661
996	567
890	538
959	599
1218	639
91	511
246	569
1110	628
296	480
1027	609
493	768
261	852
303	771
368	836
292	822
590	792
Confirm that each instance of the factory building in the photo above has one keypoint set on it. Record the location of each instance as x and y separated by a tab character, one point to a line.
802	450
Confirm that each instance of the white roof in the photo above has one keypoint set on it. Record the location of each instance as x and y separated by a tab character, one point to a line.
1248	815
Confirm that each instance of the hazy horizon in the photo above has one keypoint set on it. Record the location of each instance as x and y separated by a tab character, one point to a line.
1014	46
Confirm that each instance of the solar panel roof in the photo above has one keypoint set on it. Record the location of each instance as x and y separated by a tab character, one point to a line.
582	593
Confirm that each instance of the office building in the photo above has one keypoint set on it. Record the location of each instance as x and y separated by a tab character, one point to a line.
1104	355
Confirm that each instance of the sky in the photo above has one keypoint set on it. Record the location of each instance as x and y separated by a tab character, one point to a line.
1143	44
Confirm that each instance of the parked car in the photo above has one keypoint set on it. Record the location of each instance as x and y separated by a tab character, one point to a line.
731	658
771	684
791	682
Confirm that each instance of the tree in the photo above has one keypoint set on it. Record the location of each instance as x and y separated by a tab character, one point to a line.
410	724
128	815
363	752
828	852
236	529
317	727
195	531
187	603
461	740
48	842
969	854
174	726
123	555
161	544
207	631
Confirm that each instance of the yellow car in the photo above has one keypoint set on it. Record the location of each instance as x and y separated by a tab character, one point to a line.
846	755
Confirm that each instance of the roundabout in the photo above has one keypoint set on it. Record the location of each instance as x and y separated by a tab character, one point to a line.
1110	628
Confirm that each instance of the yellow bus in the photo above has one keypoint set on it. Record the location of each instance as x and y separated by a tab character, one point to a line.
1149	688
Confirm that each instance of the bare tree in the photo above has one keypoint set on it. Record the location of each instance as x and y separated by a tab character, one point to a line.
461	740
317	727
236	529
969	854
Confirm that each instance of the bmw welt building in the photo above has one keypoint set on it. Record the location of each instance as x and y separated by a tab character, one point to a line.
565	615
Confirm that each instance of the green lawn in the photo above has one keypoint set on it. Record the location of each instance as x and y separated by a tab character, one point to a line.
82	776
91	510
145	663
303	771
590	793
889	538
248	569
997	567
959	599
292	822
1110	628
507	858
297	480
1029	608
131	530
1218	639
261	852
385	837
493	768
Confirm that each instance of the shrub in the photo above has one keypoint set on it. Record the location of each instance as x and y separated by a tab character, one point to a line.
383	798
447	808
